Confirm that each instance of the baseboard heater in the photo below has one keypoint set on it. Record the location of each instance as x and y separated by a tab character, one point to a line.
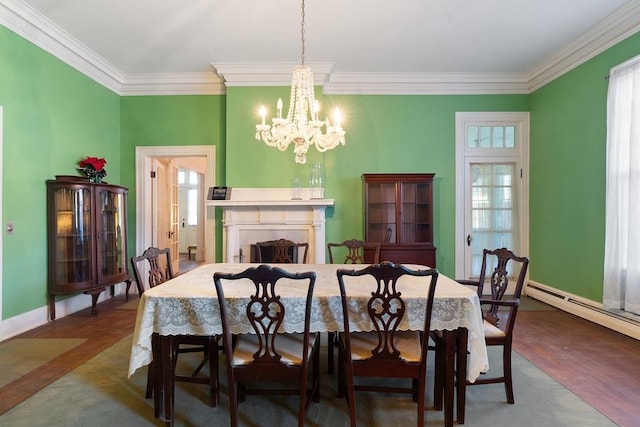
618	320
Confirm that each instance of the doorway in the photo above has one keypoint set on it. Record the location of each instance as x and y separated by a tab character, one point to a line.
492	190
147	196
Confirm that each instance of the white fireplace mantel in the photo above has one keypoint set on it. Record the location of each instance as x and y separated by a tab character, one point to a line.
259	214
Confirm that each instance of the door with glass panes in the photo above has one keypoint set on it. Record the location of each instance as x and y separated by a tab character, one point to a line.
492	187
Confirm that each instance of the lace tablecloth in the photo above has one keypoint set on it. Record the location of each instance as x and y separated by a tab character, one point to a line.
188	305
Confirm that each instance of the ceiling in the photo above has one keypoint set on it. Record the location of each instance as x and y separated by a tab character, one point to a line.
352	45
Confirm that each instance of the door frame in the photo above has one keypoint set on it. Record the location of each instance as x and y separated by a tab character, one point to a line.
145	196
1	222
522	120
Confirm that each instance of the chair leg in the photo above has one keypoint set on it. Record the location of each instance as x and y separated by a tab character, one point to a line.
150	380
302	405
315	396
331	342
508	383
213	370
461	373
438	383
421	398
341	382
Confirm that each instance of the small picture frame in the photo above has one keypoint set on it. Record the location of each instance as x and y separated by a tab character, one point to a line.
219	193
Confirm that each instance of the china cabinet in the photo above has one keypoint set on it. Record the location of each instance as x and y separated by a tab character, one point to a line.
398	212
87	238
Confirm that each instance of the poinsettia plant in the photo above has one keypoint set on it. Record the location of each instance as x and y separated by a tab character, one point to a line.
93	168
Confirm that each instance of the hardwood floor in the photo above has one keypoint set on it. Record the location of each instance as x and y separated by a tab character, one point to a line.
597	364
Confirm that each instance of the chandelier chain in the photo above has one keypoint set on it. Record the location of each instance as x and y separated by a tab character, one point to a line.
302	34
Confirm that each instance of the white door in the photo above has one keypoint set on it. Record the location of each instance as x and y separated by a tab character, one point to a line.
492	189
174	216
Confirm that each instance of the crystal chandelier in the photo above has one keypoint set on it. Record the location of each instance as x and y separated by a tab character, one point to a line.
301	126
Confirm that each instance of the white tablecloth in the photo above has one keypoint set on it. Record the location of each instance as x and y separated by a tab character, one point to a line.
188	305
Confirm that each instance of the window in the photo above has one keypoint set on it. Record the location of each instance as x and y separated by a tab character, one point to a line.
188	180
621	282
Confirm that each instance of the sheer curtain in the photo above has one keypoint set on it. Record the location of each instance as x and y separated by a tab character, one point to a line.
622	239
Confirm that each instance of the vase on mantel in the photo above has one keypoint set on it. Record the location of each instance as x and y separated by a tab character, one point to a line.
316	181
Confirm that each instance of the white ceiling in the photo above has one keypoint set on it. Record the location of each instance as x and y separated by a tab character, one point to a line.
354	45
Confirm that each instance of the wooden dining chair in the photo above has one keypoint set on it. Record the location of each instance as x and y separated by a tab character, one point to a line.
158	263
353	251
281	251
499	267
269	355
388	351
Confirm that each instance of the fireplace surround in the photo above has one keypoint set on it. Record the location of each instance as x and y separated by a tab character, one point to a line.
260	214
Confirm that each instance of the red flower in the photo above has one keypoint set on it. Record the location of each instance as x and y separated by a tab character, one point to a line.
92	162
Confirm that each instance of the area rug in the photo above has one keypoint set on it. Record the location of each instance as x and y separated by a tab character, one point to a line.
98	393
19	356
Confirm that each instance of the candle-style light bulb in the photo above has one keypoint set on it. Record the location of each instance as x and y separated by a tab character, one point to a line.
263	113
316	109
337	118
279	105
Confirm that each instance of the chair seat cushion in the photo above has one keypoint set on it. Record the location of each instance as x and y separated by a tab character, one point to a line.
289	346
492	331
407	342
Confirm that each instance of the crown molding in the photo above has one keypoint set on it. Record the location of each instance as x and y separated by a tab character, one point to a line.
268	74
25	21
621	24
28	23
173	84
425	84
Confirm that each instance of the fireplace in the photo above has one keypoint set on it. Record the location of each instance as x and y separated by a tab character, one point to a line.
260	214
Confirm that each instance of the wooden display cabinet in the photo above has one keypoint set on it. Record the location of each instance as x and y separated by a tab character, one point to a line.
398	213
87	238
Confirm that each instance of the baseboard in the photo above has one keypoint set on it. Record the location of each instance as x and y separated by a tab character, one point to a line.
617	320
40	316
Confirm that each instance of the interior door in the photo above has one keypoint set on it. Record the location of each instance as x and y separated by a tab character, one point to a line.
492	209
492	152
174	215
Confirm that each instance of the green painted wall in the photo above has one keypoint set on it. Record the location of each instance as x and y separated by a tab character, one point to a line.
53	116
384	134
567	200
168	121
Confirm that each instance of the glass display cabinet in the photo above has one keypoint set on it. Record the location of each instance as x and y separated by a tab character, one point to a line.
398	212
87	238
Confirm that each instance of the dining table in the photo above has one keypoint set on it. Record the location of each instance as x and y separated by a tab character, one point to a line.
188	305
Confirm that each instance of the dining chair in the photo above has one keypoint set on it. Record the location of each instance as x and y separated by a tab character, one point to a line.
354	253
268	355
387	351
158	263
499	267
281	251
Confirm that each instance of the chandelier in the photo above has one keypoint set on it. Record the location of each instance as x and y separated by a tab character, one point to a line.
301	127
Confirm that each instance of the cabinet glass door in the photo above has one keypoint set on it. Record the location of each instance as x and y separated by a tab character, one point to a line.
72	210
111	232
381	211
416	213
